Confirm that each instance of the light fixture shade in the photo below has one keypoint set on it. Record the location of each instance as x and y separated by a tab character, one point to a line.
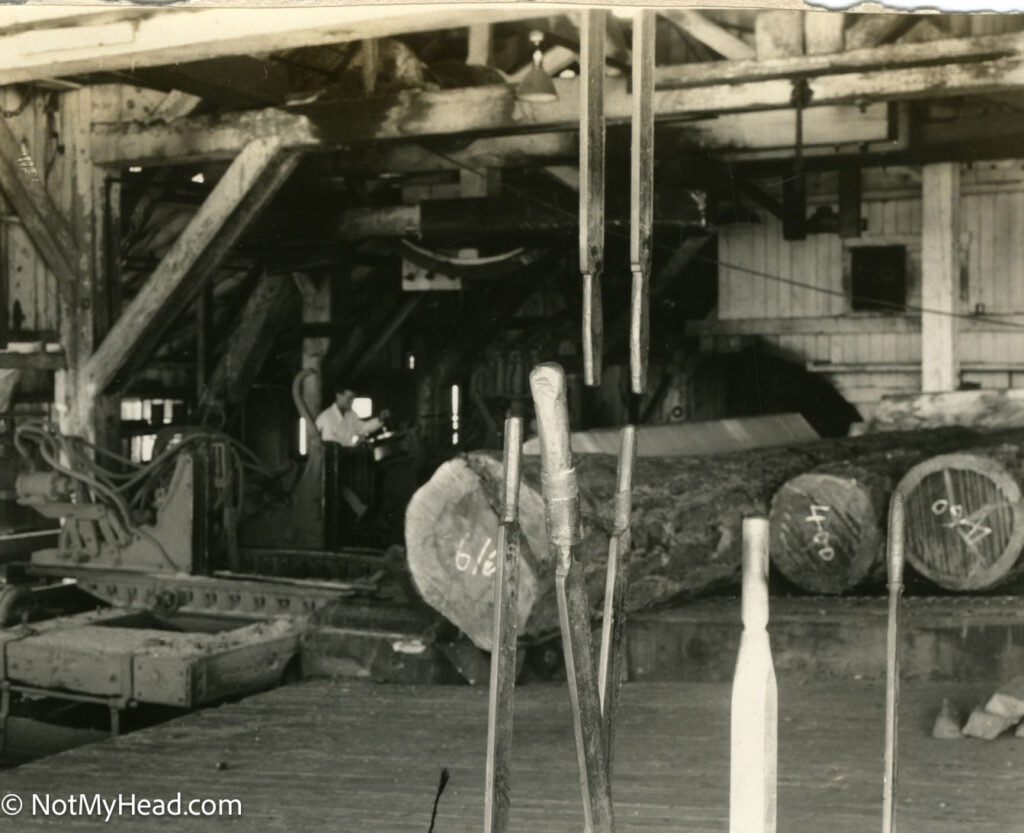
537	86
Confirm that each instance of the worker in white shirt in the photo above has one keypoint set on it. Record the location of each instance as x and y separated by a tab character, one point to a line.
338	423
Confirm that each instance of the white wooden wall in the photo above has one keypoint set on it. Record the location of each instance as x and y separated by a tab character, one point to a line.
872	354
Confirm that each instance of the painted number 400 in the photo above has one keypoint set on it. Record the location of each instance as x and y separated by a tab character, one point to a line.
480	564
821	536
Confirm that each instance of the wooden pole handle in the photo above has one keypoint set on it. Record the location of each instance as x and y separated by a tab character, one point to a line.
513	459
558	477
896	539
755	572
624	480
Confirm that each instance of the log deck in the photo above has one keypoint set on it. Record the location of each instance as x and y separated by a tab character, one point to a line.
360	757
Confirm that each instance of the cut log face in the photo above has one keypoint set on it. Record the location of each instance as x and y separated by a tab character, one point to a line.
965	521
826	529
454	523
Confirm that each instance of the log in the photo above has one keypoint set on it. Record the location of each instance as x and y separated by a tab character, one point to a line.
685	530
965	517
828	526
827	531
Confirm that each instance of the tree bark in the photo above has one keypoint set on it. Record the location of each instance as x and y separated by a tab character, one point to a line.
685	528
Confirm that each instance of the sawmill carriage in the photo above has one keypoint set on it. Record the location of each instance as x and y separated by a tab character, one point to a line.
783	245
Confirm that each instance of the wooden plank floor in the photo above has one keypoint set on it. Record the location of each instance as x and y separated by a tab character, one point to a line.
338	756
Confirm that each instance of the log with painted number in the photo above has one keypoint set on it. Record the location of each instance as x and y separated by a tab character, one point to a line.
965	517
686	517
828	524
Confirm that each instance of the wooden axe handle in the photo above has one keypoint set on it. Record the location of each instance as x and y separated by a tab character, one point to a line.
558	477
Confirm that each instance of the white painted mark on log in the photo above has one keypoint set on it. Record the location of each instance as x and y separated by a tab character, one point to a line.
483	564
968	527
821	537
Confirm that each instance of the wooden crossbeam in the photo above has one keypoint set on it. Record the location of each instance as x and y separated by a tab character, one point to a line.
881	58
874	29
248	184
493	109
163	143
49	231
250	341
105	42
697	26
32	361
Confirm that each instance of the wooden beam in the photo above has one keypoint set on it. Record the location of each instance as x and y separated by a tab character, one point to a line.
386	333
247	185
494	109
250	341
779	34
480	38
43	222
949	50
940	277
237	80
317	294
697	26
164	144
874	29
823	32
174	36
32	361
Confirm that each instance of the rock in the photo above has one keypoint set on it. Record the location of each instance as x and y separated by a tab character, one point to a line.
947	723
1020	731
1008	700
985	725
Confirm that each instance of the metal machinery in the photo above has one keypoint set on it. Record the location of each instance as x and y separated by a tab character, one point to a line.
142	600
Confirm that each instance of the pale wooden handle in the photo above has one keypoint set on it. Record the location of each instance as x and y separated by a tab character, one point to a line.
897	534
755	572
512	456
558	478
624	480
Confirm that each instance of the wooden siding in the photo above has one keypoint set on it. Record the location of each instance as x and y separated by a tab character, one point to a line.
876	359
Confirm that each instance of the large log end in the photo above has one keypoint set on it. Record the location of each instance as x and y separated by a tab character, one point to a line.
826	530
451	531
965	518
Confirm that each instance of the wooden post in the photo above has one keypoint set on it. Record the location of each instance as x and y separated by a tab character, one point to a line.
249	343
779	34
204	334
480	39
940	365
316	309
823	32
